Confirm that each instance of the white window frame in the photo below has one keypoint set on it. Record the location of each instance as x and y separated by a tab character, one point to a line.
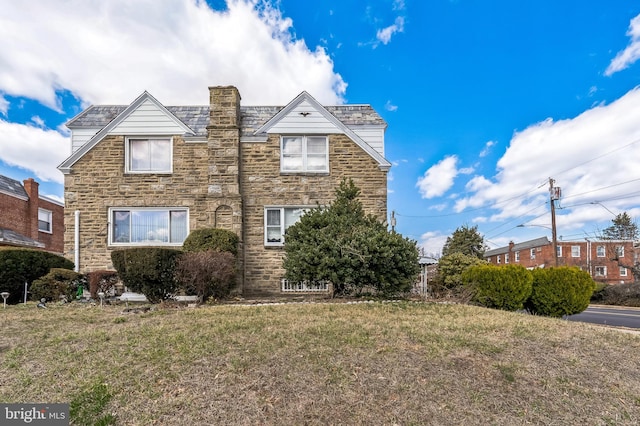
506	258
128	159
600	271
517	256
498	259
304	154
273	242
619	251
575	251
623	271
132	210
48	221
601	251
532	253
558	251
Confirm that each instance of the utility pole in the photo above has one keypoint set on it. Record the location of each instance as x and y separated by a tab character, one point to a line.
393	221
554	194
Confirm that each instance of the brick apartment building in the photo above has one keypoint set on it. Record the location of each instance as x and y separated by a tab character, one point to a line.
28	219
607	261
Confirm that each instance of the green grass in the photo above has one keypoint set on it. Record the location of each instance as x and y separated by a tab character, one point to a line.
375	363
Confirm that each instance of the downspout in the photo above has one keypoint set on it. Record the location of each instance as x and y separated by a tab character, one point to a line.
76	248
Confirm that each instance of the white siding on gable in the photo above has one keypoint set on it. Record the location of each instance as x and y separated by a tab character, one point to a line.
372	135
148	119
304	119
81	136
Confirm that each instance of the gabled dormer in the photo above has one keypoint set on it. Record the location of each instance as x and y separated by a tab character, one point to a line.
306	117
144	119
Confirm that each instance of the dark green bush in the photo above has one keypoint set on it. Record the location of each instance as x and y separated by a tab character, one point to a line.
206	273
211	239
18	266
56	284
102	281
620	294
148	270
499	287
560	291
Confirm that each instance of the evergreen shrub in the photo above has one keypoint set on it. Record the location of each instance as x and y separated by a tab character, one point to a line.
500	287
211	239
560	291
148	270
18	266
56	284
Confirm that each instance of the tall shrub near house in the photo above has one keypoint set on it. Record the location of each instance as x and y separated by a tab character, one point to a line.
560	291
20	266
207	268
148	270
500	287
57	284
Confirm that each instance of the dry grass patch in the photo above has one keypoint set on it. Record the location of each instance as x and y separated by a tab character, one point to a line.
378	363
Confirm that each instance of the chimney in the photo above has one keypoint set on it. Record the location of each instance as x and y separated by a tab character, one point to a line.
224	107
31	187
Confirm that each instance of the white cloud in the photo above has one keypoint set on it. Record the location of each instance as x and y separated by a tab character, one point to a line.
631	53
384	35
432	243
109	52
39	122
592	157
390	107
487	148
33	148
438	178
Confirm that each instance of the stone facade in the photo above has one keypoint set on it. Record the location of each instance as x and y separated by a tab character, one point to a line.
223	181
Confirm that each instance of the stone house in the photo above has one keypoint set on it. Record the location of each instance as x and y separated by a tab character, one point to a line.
607	261
28	219
146	174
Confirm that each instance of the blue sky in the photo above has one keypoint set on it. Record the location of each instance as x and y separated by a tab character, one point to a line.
485	101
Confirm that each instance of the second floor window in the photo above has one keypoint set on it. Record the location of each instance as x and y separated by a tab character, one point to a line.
304	154
575	251
559	251
517	256
600	251
148	155
532	253
620	251
44	220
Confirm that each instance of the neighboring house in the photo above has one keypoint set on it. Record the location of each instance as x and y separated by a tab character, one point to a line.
28	219
146	174
607	261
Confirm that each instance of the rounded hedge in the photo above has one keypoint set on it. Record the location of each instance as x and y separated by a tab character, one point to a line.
18	266
56	284
560	291
211	239
500	287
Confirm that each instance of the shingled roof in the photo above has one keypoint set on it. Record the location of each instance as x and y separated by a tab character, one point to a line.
538	242
251	117
12	187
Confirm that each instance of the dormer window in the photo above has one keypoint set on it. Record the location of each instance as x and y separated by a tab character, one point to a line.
304	154
148	155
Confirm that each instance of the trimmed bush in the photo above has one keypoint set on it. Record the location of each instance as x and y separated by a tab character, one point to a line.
620	294
560	291
56	284
148	270
18	266
102	281
211	239
206	273
500	287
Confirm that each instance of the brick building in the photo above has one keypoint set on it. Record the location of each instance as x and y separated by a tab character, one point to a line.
146	174
607	261
28	219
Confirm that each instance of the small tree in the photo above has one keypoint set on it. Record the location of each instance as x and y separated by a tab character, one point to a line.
450	270
342	245
465	240
623	228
